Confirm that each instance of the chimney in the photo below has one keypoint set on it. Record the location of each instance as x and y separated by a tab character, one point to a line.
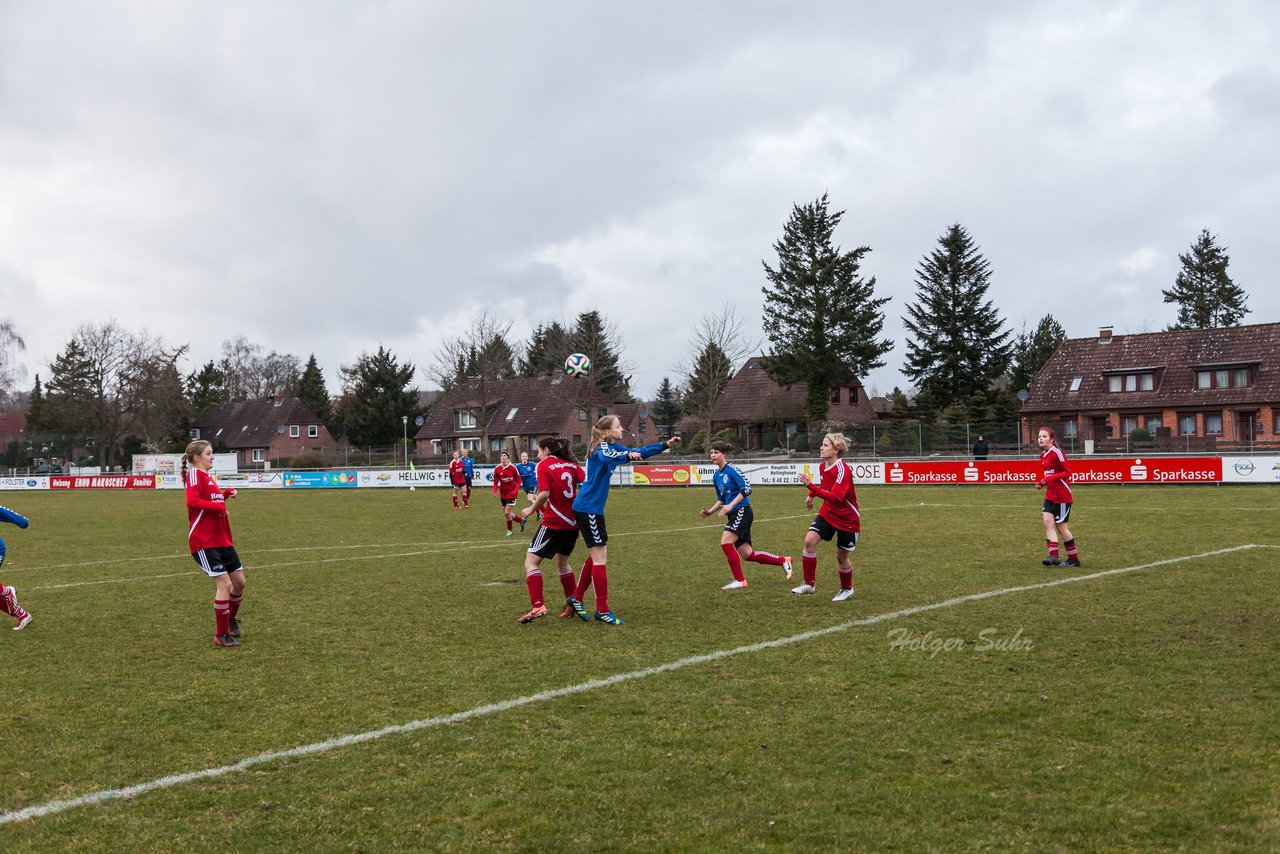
1104	335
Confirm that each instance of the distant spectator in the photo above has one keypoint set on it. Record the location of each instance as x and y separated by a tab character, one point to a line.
980	449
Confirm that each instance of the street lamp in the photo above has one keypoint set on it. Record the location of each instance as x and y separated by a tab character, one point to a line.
404	420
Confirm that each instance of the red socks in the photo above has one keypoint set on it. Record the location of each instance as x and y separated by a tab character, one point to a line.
810	564
584	581
1053	547
221	617
766	558
566	581
846	578
1071	550
600	579
235	605
533	580
735	562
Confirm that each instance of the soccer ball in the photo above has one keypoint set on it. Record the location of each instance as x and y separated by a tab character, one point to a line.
577	365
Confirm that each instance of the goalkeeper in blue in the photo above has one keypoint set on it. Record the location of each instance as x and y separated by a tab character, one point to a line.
604	454
9	596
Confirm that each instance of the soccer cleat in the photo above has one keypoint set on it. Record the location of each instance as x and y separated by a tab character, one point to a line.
1075	561
804	589
234	630
609	618
225	640
535	613
786	567
735	585
844	594
567	612
579	609
522	521
1051	560
23	623
508	534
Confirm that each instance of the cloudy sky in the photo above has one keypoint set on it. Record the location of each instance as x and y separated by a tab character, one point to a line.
326	177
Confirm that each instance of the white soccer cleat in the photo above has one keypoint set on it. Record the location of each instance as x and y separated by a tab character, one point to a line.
735	585
843	595
22	624
786	567
804	589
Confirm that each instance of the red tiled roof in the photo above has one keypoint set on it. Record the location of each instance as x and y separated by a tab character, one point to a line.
752	396
1173	357
12	426
253	423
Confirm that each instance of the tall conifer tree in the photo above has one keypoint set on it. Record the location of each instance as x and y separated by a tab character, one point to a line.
1206	296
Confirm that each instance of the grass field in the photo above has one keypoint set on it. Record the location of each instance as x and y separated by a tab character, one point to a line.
385	697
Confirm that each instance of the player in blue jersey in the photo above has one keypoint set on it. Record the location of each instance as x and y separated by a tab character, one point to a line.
9	596
604	454
528	482
468	472
734	505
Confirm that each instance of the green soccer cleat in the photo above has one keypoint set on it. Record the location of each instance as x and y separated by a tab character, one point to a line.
609	618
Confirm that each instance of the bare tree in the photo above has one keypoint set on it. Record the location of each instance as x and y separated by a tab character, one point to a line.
718	348
249	375
11	370
474	361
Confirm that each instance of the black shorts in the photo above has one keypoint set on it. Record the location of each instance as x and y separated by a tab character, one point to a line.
458	484
218	560
549	542
506	502
591	526
739	522
1060	511
468	483
847	540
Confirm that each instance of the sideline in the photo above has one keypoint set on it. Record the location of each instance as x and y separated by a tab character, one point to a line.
106	795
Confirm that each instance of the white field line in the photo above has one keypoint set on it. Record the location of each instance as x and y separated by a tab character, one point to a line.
106	795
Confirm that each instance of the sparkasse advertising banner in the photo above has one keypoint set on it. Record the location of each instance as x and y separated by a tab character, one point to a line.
1083	470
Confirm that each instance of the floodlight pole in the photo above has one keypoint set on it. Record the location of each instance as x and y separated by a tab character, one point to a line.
404	420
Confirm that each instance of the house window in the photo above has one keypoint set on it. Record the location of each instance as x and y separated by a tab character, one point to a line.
1240	377
1213	424
512	414
1220	379
577	438
437	447
1069	430
835	394
1131	382
195	432
312	431
1128	425
294	431
495	444
1115	383
1154	423
469	444
259	454
1146	382
1275	424
601	412
1186	425
466	419
1204	379
582	415
1223	378
1075	383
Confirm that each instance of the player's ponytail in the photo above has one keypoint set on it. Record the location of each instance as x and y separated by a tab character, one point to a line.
600	431
194	450
558	448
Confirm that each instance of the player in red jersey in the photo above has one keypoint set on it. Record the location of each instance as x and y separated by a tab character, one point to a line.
559	477
839	516
506	485
1057	500
209	537
458	477
9	596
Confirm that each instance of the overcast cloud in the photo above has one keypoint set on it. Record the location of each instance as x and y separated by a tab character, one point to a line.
328	177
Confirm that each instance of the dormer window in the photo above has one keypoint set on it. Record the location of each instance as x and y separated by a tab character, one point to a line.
466	419
1145	381
1223	378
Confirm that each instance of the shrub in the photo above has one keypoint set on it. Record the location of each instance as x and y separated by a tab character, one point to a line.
1140	435
308	460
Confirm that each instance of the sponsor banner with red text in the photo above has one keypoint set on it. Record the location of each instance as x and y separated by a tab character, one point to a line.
103	481
1083	470
660	475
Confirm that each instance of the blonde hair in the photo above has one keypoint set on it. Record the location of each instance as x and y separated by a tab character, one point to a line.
839	442
194	450
600	431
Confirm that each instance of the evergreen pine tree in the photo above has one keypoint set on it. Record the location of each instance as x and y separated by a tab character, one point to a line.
598	339
1032	349
820	316
959	346
380	397
546	351
1205	294
313	392
666	409
38	420
205	388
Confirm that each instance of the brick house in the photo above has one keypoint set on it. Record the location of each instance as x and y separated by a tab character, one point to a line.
1194	388
262	431
519	412
753	405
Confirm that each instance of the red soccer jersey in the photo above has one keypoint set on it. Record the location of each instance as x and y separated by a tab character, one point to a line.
561	478
1057	475
457	473
506	481
839	500
206	512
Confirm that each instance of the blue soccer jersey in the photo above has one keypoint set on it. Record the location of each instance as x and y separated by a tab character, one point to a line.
730	482
468	467
528	476
600	465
